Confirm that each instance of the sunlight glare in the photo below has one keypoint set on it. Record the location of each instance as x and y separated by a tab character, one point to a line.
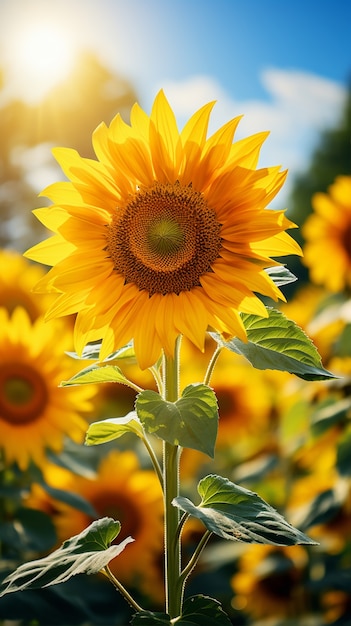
43	57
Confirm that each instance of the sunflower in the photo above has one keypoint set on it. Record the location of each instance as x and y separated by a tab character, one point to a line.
34	413
165	234
17	279
328	236
269	581
126	492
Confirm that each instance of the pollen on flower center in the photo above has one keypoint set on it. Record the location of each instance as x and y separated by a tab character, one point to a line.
165	236
23	394
165	239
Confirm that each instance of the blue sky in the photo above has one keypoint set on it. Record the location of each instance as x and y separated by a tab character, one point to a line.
284	65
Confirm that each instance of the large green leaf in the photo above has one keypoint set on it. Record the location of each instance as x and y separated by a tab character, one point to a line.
233	512
197	611
277	343
87	553
113	428
98	373
190	422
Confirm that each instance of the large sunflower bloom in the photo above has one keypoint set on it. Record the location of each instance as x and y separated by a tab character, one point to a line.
126	492
165	234
34	413
328	236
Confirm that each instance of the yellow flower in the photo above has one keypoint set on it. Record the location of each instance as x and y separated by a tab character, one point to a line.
125	492
328	236
167	233
34	413
269	582
17	279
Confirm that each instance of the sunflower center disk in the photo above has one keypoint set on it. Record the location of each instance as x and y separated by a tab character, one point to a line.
165	239
23	394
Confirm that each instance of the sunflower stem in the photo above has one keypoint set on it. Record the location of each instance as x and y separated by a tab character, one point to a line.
195	558
212	364
154	459
171	455
106	570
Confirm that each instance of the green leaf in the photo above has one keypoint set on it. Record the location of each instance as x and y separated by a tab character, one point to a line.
197	611
281	275
98	373
151	618
233	512
113	428
200	610
190	422
91	352
72	499
343	459
87	553
36	530
323	508
329	413
277	343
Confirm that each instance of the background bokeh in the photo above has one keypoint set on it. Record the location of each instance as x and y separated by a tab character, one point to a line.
65	67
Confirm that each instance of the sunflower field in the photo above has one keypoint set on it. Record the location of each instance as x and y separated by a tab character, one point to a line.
192	252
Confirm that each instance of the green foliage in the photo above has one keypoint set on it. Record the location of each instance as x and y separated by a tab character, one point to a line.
113	428
343	458
322	509
30	530
197	611
91	352
281	275
233	512
329	413
98	373
88	552
277	343
190	422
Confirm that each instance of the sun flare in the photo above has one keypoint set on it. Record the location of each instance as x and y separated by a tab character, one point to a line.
43	56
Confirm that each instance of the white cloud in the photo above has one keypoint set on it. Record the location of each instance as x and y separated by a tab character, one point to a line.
298	107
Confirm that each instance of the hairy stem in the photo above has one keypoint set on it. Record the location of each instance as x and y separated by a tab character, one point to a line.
171	454
106	570
212	364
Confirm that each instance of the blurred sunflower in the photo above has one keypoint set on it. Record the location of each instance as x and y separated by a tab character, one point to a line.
126	492
34	413
327	231
17	279
269	582
243	401
165	234
336	606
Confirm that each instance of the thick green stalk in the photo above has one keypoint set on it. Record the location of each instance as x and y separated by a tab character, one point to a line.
171	454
